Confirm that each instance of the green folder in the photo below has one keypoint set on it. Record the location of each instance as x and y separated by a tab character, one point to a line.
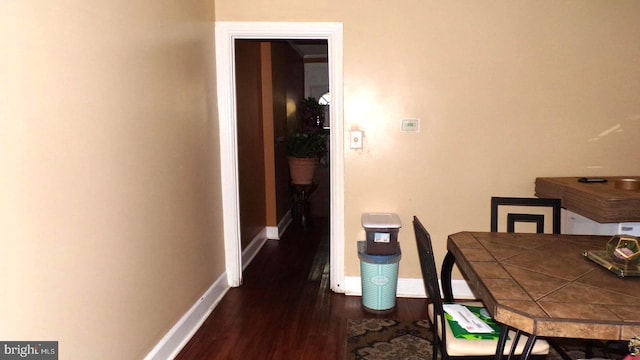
461	333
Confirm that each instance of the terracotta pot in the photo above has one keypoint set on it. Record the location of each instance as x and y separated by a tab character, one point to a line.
302	170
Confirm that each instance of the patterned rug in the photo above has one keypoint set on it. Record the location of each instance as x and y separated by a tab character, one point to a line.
384	339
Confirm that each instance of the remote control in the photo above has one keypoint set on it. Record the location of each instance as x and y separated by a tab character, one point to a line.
592	180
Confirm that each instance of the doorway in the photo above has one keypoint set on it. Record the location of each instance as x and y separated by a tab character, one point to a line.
226	34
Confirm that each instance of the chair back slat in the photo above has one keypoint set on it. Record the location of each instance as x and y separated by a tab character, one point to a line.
513	218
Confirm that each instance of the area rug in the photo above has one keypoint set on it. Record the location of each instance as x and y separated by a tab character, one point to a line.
384	339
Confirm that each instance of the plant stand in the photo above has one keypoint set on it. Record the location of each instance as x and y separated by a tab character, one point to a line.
301	193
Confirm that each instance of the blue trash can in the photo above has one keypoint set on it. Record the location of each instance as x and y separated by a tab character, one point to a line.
379	274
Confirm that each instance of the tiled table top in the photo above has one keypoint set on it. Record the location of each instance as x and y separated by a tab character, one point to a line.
543	285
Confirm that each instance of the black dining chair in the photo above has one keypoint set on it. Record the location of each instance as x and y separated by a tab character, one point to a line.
444	340
514	215
529	217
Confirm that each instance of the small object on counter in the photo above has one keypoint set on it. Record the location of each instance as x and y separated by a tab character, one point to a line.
592	180
624	248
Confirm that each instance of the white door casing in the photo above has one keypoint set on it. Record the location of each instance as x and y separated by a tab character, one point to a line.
226	34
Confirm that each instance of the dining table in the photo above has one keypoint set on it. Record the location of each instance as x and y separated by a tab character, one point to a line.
544	284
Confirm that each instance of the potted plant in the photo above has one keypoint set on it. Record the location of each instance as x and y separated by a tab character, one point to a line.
308	144
311	115
305	150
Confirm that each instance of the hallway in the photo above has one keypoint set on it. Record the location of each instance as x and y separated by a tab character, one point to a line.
285	309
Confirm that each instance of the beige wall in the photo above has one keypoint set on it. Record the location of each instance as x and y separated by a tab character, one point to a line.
506	92
109	191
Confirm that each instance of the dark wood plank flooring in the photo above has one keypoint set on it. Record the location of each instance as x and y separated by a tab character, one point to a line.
285	309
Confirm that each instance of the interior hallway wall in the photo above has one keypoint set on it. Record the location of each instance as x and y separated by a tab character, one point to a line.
110	204
251	159
269	84
288	91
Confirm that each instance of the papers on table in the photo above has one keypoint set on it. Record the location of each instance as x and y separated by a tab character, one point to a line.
466	319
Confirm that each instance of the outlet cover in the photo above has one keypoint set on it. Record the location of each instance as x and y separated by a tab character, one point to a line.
356	139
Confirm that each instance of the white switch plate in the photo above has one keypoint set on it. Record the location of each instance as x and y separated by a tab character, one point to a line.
411	125
356	139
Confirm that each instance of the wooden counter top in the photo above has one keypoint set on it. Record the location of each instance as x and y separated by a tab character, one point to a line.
601	202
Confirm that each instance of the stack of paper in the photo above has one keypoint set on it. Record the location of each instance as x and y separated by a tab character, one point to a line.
466	319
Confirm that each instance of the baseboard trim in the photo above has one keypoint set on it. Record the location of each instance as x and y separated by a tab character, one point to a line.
186	327
410	287
254	247
284	223
275	232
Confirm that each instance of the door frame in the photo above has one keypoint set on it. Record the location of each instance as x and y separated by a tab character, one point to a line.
226	34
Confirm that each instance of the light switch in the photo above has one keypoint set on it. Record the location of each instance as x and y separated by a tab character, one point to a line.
356	139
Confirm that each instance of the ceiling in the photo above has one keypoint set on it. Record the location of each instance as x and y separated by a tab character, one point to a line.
311	49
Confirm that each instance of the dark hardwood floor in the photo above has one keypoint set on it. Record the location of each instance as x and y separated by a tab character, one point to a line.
285	309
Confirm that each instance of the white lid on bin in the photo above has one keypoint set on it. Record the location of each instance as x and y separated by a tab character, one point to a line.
381	220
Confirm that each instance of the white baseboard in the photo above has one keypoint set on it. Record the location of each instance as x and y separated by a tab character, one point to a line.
254	247
409	287
274	232
284	223
186	327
